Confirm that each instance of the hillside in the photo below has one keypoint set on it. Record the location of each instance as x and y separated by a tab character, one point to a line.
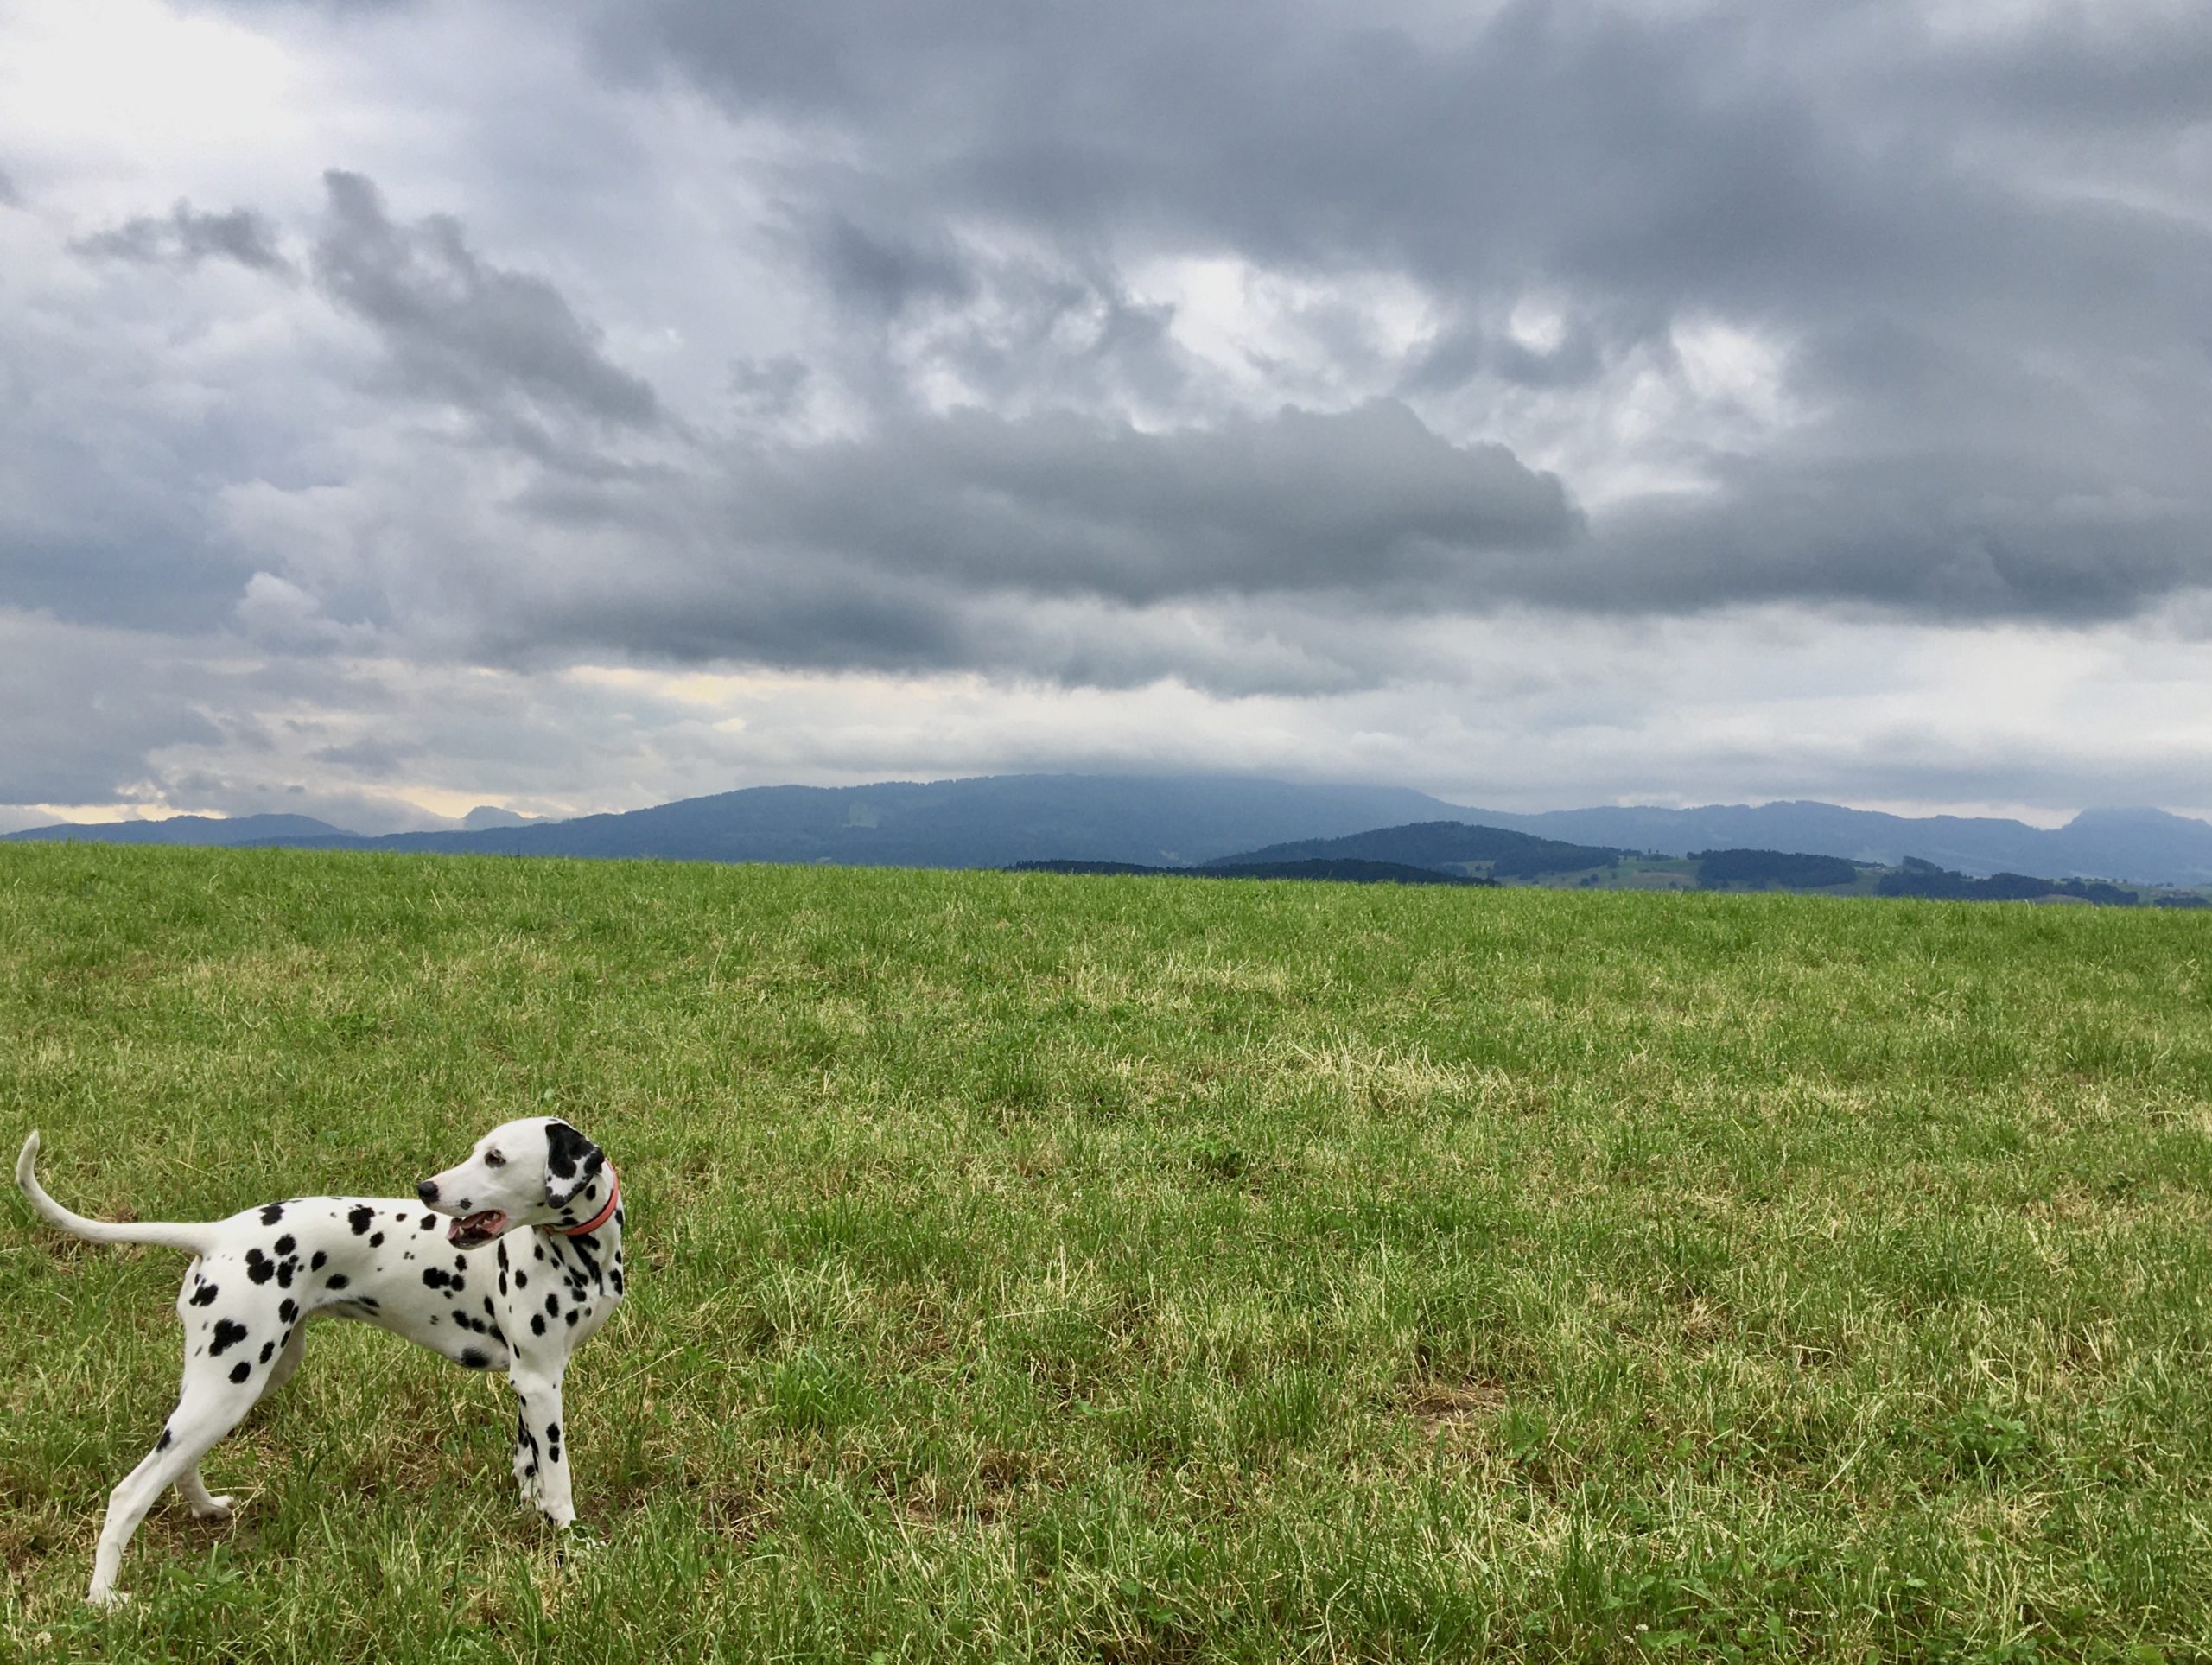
1339	870
1501	853
2137	846
1037	1267
1503	856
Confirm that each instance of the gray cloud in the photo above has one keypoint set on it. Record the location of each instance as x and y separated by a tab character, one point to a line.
1983	350
459	330
185	237
1226	348
1367	500
1059	546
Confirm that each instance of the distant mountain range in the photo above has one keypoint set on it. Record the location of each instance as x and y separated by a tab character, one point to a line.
1187	821
2142	846
184	829
1496	855
991	822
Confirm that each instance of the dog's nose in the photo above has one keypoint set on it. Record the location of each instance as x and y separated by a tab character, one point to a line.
427	1191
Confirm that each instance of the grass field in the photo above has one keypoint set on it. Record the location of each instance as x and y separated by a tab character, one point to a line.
1035	1267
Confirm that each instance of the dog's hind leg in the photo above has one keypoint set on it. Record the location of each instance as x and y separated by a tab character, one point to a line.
288	1359
196	1497
206	1409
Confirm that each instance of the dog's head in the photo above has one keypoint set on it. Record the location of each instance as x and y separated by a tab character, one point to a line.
538	1172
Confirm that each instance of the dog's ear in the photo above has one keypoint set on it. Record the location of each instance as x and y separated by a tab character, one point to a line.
572	1162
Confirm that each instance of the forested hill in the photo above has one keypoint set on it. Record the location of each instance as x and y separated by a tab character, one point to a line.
1505	854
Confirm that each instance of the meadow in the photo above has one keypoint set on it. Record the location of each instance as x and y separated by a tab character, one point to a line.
1030	1266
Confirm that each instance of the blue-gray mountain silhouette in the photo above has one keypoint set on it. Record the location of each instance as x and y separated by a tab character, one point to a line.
997	821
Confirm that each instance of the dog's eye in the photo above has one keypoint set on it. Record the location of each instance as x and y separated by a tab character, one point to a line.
494	1159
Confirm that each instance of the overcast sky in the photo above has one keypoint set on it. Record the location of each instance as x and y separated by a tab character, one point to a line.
576	405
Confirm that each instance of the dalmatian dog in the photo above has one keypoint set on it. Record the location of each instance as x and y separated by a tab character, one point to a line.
528	1266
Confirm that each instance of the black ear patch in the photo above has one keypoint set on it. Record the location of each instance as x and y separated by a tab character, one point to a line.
571	1159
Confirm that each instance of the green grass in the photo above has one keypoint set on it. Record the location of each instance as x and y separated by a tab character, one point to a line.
1033	1266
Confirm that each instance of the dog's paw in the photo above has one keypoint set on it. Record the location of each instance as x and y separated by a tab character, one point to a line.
110	1599
215	1509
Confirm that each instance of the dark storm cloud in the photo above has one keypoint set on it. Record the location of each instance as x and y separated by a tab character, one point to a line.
185	237
1044	546
502	344
1367	500
1993	323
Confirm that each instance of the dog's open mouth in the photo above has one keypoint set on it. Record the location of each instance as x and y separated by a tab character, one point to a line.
477	1229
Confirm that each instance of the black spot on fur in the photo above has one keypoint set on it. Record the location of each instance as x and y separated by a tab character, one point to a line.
360	1219
284	1274
315	1265
428	1220
437	1277
369	1301
287	1243
203	1296
615	1278
162	1444
571	1316
336	1280
552	1306
376	1242
241	1370
522	1278
228	1333
267	1348
474	1360
273	1213
289	1310
537	1324
569	1157
259	1267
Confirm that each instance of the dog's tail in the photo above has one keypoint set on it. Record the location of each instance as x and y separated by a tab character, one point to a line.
168	1234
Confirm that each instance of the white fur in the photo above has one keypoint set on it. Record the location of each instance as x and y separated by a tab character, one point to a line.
259	1276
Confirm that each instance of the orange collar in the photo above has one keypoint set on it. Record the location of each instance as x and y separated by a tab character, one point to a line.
613	1195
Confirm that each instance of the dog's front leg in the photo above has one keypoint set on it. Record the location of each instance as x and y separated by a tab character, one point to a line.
541	1443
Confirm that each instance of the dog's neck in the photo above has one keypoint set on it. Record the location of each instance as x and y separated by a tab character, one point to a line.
606	1211
599	1238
